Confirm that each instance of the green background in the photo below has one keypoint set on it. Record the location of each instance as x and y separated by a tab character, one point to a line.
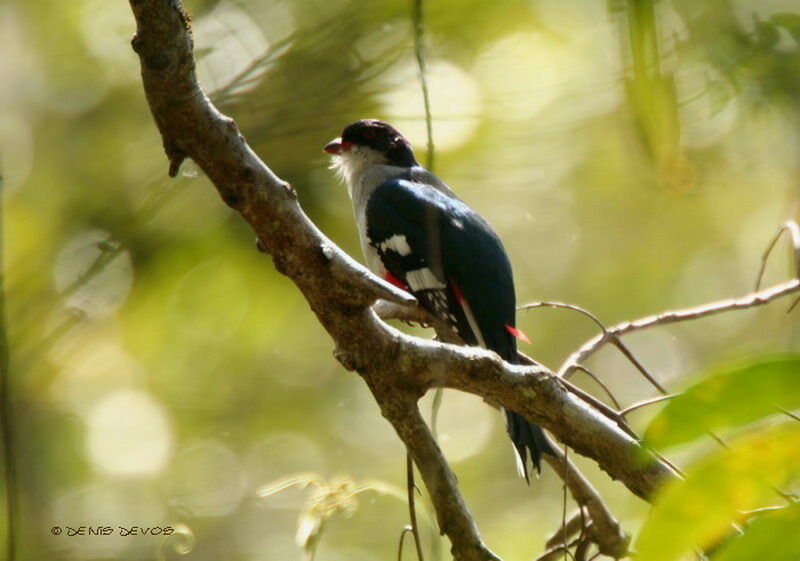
163	372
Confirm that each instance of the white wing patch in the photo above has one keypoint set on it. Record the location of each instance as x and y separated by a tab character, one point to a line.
396	243
423	279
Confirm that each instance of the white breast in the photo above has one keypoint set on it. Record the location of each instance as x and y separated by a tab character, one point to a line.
363	170
362	186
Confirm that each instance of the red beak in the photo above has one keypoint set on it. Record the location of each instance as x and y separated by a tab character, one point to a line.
337	146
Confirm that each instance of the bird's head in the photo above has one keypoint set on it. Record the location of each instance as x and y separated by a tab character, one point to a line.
369	142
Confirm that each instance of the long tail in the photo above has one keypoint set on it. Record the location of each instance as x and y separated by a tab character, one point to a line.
526	437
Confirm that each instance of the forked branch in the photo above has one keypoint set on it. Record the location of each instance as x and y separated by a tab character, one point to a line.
398	368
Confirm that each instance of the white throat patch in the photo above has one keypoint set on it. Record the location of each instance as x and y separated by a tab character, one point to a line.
351	165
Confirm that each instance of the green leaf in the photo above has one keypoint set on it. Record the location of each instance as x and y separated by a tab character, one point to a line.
698	511
727	399
775	532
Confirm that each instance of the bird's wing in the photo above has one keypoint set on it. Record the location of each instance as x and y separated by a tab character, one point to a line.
448	257
454	263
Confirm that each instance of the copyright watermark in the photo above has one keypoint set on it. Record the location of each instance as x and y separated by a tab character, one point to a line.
72	531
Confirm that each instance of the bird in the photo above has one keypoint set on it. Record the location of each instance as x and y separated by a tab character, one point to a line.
418	235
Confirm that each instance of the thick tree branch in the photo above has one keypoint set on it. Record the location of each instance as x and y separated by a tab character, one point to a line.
534	392
451	512
398	368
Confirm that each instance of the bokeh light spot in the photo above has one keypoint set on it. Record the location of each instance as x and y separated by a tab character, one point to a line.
455	104
229	41
94	272
106	28
128	434
465	425
206	479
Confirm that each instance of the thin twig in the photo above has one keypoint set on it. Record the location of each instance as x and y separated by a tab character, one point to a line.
600	383
7	415
417	14
552	554
757	298
572	526
564	305
606	333
406	530
109	250
600	406
607	534
645	403
565	477
617	342
790	498
662	458
419	51
412	511
718	439
674	316
440	481
792	230
756	512
789	413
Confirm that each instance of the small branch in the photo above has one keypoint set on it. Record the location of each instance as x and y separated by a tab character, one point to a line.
412	511
606	334
645	403
667	461
451	512
757	298
605	529
109	250
588	398
556	553
419	52
532	392
7	431
617	342
789	413
417	314
573	307
398	368
756	512
600	383
575	524
749	301
406	530
793	231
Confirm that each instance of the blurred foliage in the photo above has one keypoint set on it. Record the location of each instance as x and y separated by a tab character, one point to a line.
327	499
773	532
726	400
635	156
719	488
